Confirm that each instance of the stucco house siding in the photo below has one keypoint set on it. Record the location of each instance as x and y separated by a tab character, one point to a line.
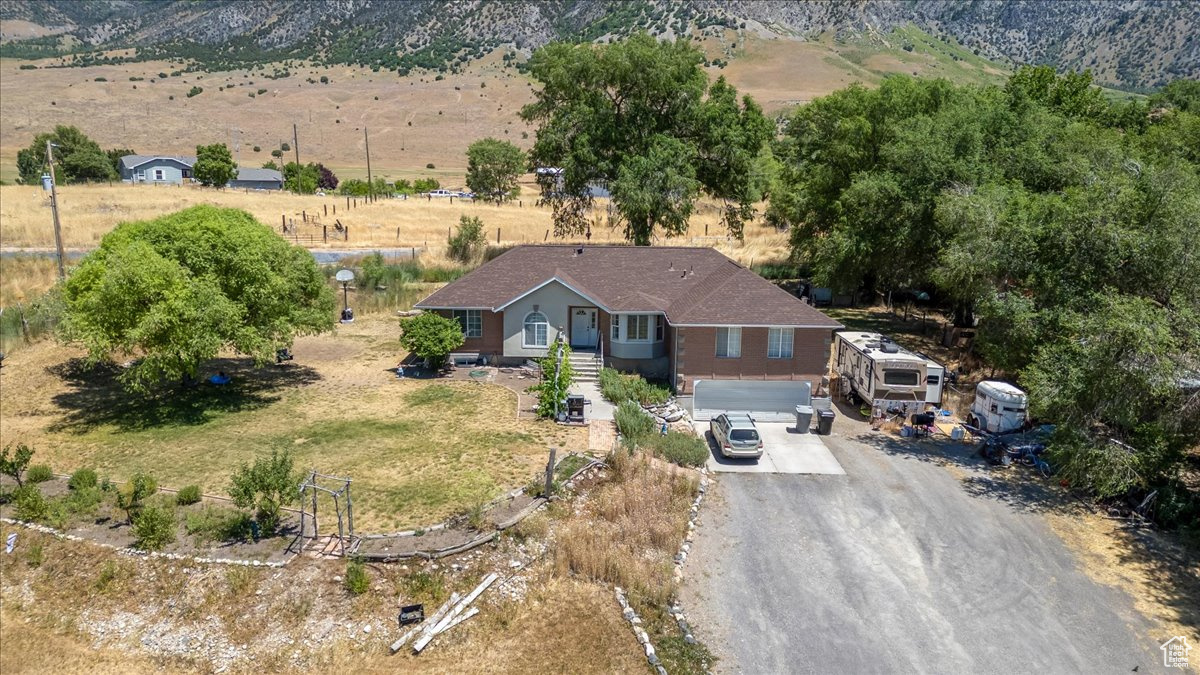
553	300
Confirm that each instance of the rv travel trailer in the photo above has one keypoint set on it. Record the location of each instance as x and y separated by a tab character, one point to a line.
876	370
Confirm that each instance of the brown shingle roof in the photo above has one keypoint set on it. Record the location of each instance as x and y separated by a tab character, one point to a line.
691	286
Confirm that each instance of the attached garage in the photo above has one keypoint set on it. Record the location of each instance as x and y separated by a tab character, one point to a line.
766	401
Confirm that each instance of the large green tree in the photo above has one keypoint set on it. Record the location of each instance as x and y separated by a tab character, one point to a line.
640	117
1063	224
78	158
493	167
214	165
176	290
302	179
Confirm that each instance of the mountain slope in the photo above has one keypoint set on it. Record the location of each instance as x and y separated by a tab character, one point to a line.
1127	43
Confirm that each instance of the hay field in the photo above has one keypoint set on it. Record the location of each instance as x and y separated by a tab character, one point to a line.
88	212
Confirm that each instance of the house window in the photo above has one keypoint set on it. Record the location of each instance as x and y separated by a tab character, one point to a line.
658	328
471	321
779	343
537	330
638	329
729	343
158	174
616	327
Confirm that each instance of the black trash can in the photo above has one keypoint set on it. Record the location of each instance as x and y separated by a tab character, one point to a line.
825	422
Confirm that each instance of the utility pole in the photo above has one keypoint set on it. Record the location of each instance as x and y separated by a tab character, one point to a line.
370	185
62	271
296	142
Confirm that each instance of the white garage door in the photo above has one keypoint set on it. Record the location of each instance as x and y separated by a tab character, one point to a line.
766	401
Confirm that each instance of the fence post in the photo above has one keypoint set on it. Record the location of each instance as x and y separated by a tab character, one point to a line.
413	255
497	236
304	216
283	222
347	201
550	474
327	208
335	209
347	233
547	237
325	233
397	234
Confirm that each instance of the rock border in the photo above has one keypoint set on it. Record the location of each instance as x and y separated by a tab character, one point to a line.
643	638
483	538
137	552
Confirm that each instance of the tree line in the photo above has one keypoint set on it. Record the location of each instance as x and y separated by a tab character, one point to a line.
1061	224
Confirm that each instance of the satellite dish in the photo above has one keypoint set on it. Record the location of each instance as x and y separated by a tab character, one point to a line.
344	276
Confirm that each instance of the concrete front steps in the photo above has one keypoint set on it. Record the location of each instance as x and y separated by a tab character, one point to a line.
586	367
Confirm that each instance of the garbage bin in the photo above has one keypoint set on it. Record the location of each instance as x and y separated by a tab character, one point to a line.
804	415
825	422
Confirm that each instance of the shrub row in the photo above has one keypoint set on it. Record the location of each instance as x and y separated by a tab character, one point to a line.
620	387
637	427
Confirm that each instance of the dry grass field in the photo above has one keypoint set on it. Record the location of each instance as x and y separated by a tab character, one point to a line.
417	450
413	121
133	615
88	212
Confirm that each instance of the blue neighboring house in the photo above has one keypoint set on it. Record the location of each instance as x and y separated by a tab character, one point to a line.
177	169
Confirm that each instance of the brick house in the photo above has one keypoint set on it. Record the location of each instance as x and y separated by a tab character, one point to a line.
680	314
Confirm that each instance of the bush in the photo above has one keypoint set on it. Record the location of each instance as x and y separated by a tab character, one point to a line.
39	473
468	243
357	581
632	421
430	166
619	387
140	487
83	479
82	501
189	494
681	448
29	502
195	91
154	528
267	486
216	523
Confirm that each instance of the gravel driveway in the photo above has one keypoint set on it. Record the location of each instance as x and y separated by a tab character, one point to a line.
902	565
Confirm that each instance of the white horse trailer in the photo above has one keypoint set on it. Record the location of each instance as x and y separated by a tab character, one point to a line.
876	370
999	407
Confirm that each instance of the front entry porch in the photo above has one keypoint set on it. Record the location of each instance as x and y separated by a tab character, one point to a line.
584	329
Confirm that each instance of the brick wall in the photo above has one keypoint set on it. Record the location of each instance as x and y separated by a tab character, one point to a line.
697	357
492	342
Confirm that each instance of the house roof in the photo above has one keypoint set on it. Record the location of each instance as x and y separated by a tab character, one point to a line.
259	175
134	161
690	285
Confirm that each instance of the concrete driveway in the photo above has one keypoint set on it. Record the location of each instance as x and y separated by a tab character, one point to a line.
915	561
784	451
